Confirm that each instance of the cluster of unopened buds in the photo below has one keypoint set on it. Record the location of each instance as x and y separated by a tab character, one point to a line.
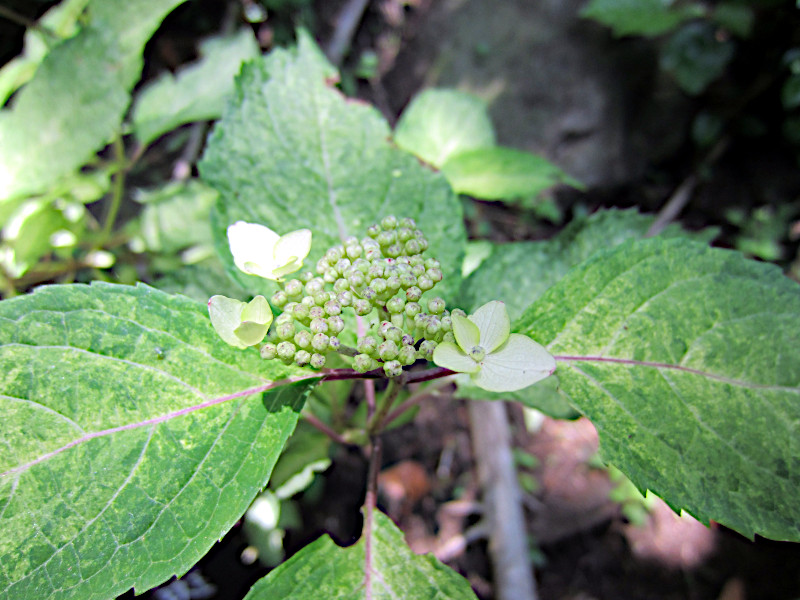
381	279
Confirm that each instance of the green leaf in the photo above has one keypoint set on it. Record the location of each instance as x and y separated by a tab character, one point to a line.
640	17
696	56
544	396
133	438
196	92
291	152
440	123
518	273
324	570
75	102
502	174
685	359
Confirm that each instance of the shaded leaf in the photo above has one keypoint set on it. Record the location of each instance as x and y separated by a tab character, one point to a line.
696	56
640	17
502	174
324	570
197	92
133	438
440	123
685	359
75	102
291	152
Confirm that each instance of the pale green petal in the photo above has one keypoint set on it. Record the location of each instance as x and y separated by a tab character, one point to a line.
257	311
250	333
518	363
226	316
288	268
293	247
449	356
493	323
466	332
253	247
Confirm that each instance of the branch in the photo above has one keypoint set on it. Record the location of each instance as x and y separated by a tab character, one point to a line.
508	542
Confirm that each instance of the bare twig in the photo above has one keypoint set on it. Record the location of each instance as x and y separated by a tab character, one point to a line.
508	544
346	24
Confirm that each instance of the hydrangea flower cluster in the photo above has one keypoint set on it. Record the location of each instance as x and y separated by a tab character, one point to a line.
381	278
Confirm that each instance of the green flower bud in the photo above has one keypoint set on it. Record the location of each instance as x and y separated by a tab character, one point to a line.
413	309
322	266
432	327
396	305
373	254
285	331
426	349
423	241
330	275
333	255
407	340
376	269
342	265
293	288
367	345
389	222
413	293
319	326
269	351
306	276
418	270
378	284
316	312
449	337
279	299
302	358
356	279
362	265
407	355
315	286
435	275
334	342
286	350
393	283
317	361
408	280
393	368
447	324
308	301
373	231
398	320
350	240
353	251
424	283
300	312
416	260
362	307
302	338
345	298
477	353
394	334
459	312
436	306
286	316
333	308
404	234
369	294
394	250
387	350
321	298
335	324
320	342
408	223
362	363
341	285
386	238
413	247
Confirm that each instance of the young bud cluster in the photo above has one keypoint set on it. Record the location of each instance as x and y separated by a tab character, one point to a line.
382	277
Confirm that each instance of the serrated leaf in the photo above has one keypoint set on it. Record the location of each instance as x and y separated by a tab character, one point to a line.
197	92
291	152
518	273
133	438
685	359
440	123
324	570
75	102
640	17
500	173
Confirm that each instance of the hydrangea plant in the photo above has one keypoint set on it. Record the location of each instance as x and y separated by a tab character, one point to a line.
140	425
